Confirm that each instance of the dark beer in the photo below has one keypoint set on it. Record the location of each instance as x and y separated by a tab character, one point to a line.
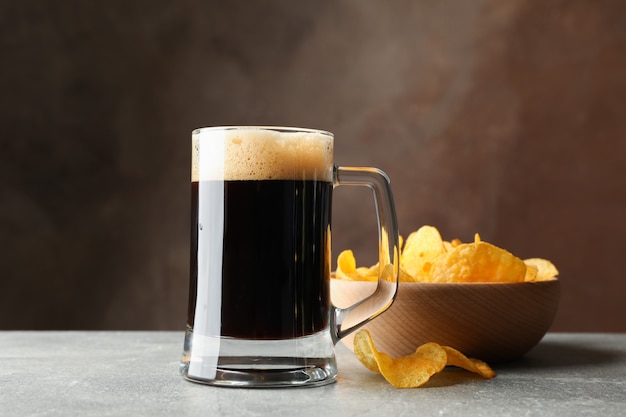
274	255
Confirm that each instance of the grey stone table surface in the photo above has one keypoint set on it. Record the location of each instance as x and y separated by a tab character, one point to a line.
136	374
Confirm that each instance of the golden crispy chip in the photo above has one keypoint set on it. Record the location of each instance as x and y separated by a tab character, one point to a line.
409	371
451	244
545	269
362	347
531	273
416	369
420	250
404	277
478	262
456	358
346	262
425	257
346	268
368	274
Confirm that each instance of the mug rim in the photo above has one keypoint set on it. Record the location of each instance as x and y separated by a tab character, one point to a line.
286	129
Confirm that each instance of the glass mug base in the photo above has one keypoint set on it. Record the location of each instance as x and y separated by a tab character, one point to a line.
223	361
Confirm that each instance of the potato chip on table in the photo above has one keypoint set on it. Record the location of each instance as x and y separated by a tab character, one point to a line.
416	369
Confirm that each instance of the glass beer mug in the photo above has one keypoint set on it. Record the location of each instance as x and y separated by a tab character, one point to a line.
260	311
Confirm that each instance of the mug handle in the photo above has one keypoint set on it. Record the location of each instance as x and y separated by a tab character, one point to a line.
346	320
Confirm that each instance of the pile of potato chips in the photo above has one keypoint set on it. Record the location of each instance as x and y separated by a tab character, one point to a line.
426	257
414	370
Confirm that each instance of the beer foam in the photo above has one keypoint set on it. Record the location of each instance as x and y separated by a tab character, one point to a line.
253	153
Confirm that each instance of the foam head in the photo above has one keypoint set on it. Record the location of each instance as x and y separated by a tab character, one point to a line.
261	153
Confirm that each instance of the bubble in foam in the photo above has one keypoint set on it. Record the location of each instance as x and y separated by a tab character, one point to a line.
257	154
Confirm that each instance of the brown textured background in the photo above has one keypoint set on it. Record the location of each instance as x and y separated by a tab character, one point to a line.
504	118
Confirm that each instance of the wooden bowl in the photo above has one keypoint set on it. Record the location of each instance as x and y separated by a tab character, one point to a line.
493	322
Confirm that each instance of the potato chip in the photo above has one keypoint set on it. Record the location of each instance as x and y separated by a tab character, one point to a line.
420	250
416	369
346	268
406	372
404	277
451	244
531	273
478	262
346	262
363	349
545	269
425	257
456	358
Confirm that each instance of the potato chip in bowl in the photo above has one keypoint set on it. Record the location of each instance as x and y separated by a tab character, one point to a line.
473	297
